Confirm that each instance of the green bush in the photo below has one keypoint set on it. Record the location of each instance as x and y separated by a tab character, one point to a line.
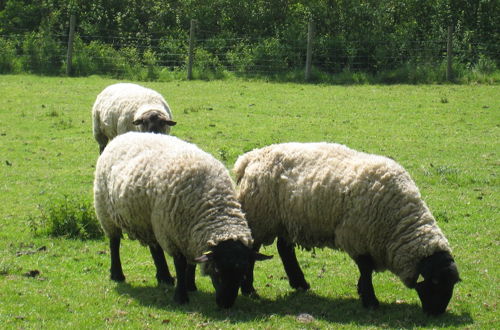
171	51
128	64
41	54
207	66
8	56
152	70
240	58
271	55
485	65
69	218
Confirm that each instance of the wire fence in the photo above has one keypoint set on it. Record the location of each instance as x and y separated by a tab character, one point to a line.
123	55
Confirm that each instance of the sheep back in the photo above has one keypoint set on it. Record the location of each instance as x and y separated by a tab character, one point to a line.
118	105
158	188
327	195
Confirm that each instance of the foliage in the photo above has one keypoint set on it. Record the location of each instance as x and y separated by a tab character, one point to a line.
8	58
367	36
42	53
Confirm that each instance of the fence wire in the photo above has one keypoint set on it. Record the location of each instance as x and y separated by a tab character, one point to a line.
114	54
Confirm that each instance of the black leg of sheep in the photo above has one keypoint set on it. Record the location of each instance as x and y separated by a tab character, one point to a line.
116	265
180	294
365	285
295	275
162	273
190	275
247	288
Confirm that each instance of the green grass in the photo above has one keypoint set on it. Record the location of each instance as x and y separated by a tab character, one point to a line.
446	136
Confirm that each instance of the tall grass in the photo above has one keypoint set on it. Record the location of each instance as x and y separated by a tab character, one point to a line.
67	217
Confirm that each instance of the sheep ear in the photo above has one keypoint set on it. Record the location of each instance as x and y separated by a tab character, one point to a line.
259	256
166	120
137	122
207	256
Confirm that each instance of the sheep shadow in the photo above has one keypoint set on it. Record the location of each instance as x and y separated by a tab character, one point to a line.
337	310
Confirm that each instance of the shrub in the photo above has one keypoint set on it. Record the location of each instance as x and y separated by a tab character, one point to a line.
41	54
240	58
95	58
151	63
69	218
171	51
207	66
8	56
485	65
271	55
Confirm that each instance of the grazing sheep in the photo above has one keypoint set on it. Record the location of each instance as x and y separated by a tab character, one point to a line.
327	195
125	107
170	195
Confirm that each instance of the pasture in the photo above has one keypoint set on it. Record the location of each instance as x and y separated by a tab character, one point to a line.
446	136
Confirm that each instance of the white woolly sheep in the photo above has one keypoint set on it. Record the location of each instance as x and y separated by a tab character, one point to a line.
327	195
170	195
125	107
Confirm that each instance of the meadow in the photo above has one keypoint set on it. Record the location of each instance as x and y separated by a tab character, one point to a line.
446	136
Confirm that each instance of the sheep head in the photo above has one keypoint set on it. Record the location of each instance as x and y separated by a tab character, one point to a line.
440	275
154	121
227	263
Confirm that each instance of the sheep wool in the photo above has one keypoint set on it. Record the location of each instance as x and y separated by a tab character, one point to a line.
160	189
118	105
328	195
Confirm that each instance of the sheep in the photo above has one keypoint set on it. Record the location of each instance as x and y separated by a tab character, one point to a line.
173	197
328	195
125	107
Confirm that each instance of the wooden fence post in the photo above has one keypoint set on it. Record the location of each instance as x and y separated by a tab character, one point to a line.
310	32
191	49
449	54
69	57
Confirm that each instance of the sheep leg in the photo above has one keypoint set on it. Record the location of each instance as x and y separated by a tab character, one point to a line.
295	275
365	285
180	294
247	288
190	275
116	265
162	272
101	139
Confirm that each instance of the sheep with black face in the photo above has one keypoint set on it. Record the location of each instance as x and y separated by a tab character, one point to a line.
126	107
171	195
327	195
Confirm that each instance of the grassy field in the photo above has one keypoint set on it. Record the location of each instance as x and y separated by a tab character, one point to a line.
446	136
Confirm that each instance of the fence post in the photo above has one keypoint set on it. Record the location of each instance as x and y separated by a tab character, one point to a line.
69	57
191	49
449	54
309	50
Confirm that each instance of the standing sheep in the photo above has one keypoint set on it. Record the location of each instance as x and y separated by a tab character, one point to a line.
327	195
125	107
170	195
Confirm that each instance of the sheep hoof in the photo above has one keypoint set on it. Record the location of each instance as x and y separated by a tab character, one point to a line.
118	278
181	299
303	286
166	281
371	304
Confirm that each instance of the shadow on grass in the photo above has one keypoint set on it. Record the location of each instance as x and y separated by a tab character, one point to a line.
337	310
